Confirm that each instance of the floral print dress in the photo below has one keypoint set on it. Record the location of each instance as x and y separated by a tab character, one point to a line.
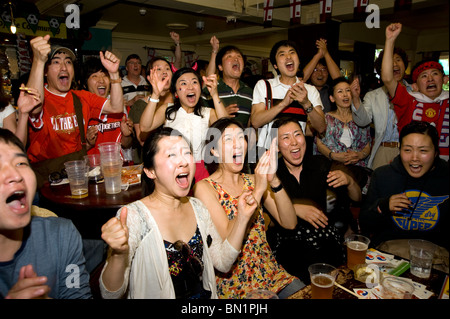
255	267
335	129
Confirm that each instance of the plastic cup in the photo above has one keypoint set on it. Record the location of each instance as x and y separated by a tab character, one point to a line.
112	173
77	173
322	280
421	254
396	288
110	151
95	172
357	246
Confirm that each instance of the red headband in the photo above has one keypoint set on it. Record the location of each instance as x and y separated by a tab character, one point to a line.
426	66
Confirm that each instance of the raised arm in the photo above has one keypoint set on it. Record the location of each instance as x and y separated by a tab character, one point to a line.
178	56
219	109
387	76
111	64
322	52
41	48
270	192
153	117
215	44
29	98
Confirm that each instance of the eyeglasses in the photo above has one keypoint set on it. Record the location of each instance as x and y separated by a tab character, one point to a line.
195	264
57	177
321	70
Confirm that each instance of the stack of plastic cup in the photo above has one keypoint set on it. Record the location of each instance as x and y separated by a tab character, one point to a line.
77	173
111	163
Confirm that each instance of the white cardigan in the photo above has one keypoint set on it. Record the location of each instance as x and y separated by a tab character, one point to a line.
147	274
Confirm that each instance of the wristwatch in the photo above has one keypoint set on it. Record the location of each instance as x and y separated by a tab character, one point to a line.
309	109
277	189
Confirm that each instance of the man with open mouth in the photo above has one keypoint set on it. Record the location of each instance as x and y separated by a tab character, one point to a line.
428	102
40	257
289	96
54	127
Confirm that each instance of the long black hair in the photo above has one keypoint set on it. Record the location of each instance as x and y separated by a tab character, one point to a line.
174	108
149	150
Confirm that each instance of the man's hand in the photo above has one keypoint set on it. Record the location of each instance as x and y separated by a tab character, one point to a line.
29	285
41	48
110	62
393	30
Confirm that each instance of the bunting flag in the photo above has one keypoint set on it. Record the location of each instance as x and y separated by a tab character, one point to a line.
190	58
325	10
268	10
295	11
359	10
402	5
151	53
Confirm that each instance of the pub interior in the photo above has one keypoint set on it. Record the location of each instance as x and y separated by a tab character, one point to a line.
344	38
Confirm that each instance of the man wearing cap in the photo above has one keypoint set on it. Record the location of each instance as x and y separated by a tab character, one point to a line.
134	84
54	129
428	103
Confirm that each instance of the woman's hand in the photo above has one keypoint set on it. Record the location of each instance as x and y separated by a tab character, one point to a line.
399	202
265	171
115	233
157	82
126	126
312	215
211	83
246	205
337	178
91	135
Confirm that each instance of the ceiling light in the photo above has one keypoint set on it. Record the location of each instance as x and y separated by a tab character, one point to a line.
13	28
13	25
200	25
142	11
177	26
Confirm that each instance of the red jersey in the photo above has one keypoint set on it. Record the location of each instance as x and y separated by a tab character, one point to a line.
108	129
415	106
55	132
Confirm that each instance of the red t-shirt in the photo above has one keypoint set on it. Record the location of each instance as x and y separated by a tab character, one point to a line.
408	108
108	129
55	132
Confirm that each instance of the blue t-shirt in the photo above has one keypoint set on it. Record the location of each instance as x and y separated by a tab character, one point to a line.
53	246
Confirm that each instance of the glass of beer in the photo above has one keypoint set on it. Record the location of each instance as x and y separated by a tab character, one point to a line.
322	280
356	249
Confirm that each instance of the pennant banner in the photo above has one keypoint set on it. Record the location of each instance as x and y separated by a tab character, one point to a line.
295	11
359	10
325	10
190	59
268	11
402	5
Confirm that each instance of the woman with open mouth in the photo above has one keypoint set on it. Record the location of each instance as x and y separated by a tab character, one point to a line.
255	267
344	142
165	245
408	199
187	115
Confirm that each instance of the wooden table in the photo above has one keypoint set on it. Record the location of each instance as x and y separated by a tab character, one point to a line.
346	279
90	213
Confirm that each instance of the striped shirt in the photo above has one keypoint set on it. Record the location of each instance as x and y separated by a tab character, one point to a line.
243	98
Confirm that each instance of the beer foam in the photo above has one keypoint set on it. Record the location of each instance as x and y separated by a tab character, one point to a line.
357	245
321	276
